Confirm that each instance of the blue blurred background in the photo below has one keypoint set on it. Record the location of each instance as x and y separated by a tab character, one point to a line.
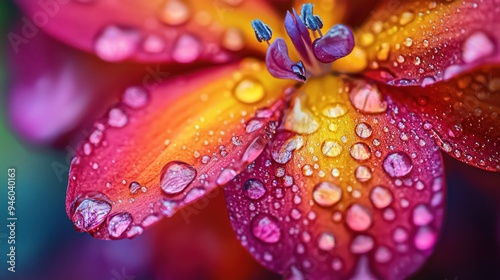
47	246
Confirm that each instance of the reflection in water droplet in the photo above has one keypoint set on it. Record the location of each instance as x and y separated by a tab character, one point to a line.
326	241
331	148
367	98
266	229
118	224
360	151
327	194
381	197
254	189
364	130
398	164
134	187
116	43
249	91
335	110
358	217
363	173
176	176
90	213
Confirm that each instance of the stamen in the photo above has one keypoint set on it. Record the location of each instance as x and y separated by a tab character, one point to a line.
262	31
280	65
312	22
299	70
337	43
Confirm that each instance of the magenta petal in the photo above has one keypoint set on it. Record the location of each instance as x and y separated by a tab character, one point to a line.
55	90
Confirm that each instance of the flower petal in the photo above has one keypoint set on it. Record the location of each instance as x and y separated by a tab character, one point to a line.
155	153
56	90
422	42
341	194
155	30
462	115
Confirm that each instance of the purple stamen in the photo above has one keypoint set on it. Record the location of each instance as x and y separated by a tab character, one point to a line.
280	65
337	43
299	34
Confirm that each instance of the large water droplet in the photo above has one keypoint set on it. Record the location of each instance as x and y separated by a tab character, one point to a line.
477	46
254	189
406	18
367	98
116	43
358	217
327	194
335	110
281	151
225	176
187	49
249	91
398	164
326	241
331	148
135	97
266	229
176	176
422	215
360	151
118	224
381	197
175	12
117	118
364	130
363	173
425	238
254	150
362	244
90	213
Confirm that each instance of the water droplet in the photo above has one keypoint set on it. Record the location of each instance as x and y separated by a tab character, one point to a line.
116	43
87	149
398	164
362	244
90	213
233	39
225	176
249	91
254	189
327	194
477	46
383	254
364	130
307	170
358	217
282	151
331	148
422	215
175	12
408	42
153	44
300	120
425	238
381	197
134	187
400	235
254	150
194	194
135	97
383	53
367	98
187	49
117	118
366	39
360	151
176	176
149	220
118	224
363	173
266	229
406	18
335	110
326	241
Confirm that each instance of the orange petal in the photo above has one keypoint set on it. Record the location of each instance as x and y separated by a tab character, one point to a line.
181	31
342	193
157	152
462	115
422	42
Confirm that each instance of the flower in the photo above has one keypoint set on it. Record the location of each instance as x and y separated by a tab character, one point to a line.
337	177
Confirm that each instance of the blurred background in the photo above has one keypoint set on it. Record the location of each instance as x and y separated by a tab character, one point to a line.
47	246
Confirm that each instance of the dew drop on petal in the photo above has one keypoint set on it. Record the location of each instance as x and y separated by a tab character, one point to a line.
118	224
187	49
254	189
176	176
175	12
358	218
367	98
383	254
326	241
153	44
335	110
363	173
117	118
364	130
327	194
90	213
477	46
116	43
425	238
381	197
225	176
422	215
249	91
398	164
134	231
362	244
331	148
266	229
360	151
194	194
134	187
135	97
233	39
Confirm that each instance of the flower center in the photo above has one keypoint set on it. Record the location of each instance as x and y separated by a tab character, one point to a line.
316	56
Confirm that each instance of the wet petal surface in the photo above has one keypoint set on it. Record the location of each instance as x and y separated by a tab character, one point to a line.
461	115
158	30
341	194
160	150
422	42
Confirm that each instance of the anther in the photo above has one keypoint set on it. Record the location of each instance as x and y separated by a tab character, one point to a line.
299	70
262	31
312	22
